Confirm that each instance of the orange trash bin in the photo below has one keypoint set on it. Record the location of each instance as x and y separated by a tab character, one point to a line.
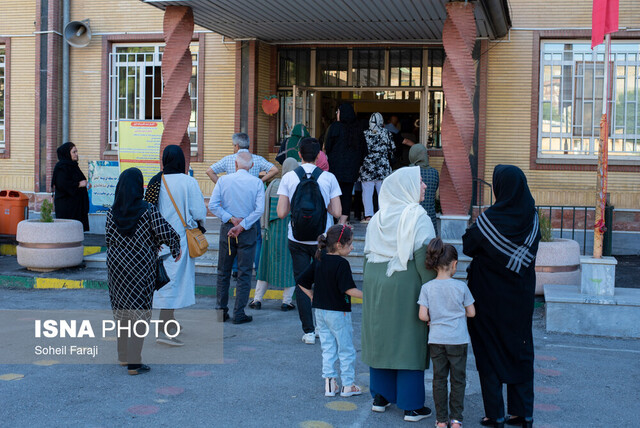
14	207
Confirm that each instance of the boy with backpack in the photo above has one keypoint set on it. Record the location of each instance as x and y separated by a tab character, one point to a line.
313	198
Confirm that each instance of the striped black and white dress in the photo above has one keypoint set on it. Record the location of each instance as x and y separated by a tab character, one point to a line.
131	262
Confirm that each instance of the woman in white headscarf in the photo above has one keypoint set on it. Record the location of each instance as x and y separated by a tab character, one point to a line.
394	340
377	164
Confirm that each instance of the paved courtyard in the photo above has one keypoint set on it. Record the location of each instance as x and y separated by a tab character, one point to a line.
269	378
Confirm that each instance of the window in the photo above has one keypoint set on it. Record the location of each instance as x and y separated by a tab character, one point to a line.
436	98
368	67
135	88
293	67
405	67
571	92
332	66
2	96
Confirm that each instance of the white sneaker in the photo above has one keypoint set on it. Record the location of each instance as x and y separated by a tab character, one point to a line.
309	338
330	387
171	341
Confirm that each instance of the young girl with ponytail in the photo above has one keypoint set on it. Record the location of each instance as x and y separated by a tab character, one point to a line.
444	304
329	284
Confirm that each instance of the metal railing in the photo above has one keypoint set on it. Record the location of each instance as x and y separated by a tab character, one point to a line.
580	225
478	195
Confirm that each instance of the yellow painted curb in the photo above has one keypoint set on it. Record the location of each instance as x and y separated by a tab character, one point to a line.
8	249
57	283
92	250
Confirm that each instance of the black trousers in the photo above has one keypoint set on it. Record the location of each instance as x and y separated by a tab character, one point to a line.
301	257
346	197
519	397
245	250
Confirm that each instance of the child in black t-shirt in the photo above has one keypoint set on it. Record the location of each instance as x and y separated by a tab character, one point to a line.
329	283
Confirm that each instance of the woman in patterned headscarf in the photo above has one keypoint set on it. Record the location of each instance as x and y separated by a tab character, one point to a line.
377	164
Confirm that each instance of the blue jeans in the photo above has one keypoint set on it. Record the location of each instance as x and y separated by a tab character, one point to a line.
403	387
336	339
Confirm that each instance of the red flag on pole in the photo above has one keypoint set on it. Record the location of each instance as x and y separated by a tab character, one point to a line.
604	20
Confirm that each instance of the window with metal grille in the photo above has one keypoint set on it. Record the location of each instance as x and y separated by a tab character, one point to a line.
436	97
570	96
294	67
2	92
135	88
405	67
368	67
332	66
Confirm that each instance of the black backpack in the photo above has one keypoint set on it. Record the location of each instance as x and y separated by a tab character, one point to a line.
308	210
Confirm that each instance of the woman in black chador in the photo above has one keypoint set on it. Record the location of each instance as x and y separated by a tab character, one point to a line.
71	199
346	149
503	244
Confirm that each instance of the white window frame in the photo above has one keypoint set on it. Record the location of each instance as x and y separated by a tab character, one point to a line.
3	84
561	139
118	61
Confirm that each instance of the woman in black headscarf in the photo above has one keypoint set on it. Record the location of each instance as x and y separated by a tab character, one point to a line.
134	231
71	199
180	292
346	148
503	244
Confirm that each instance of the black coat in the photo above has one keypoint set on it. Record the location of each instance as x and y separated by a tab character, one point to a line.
70	201
346	149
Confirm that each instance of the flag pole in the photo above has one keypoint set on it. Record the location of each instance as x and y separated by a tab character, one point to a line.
603	160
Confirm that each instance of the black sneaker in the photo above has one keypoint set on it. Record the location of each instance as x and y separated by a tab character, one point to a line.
242	320
255	304
287	307
417	415
380	404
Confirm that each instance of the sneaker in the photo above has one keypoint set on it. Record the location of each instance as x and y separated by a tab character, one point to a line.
417	415
141	368
309	338
171	341
348	391
330	387
255	304
380	404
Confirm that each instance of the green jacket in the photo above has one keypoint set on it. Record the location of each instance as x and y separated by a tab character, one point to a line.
393	337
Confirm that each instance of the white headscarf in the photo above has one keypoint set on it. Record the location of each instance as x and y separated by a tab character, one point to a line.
402	225
375	123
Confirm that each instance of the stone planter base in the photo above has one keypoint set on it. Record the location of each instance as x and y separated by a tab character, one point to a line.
557	262
43	247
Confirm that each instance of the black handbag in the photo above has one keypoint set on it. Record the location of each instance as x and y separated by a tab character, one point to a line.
162	278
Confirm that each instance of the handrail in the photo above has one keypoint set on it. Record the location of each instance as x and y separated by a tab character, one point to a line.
478	195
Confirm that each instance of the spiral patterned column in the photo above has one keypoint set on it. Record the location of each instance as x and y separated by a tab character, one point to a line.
459	81
176	74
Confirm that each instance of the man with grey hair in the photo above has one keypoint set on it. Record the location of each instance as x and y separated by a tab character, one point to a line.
227	164
238	201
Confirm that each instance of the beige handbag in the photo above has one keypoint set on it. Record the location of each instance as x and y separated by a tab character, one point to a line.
196	240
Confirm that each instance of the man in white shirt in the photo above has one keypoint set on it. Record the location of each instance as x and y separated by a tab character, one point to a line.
238	201
227	164
302	252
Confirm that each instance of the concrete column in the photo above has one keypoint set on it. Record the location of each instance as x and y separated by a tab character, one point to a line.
459	81
176	73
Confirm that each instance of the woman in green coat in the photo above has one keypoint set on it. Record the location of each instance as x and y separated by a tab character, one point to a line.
394	340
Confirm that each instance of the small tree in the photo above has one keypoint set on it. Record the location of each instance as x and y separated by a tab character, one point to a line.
545	228
45	212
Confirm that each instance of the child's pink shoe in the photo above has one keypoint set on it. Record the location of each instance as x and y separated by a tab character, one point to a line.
348	391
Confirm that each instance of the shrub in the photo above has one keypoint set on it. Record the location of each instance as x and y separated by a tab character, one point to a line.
45	212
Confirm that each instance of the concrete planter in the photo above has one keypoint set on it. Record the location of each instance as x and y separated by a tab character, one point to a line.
45	247
557	262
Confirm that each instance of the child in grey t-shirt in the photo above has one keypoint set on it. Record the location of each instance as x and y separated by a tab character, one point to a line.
445	303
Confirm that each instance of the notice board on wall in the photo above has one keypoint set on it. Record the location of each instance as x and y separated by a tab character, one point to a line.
139	146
